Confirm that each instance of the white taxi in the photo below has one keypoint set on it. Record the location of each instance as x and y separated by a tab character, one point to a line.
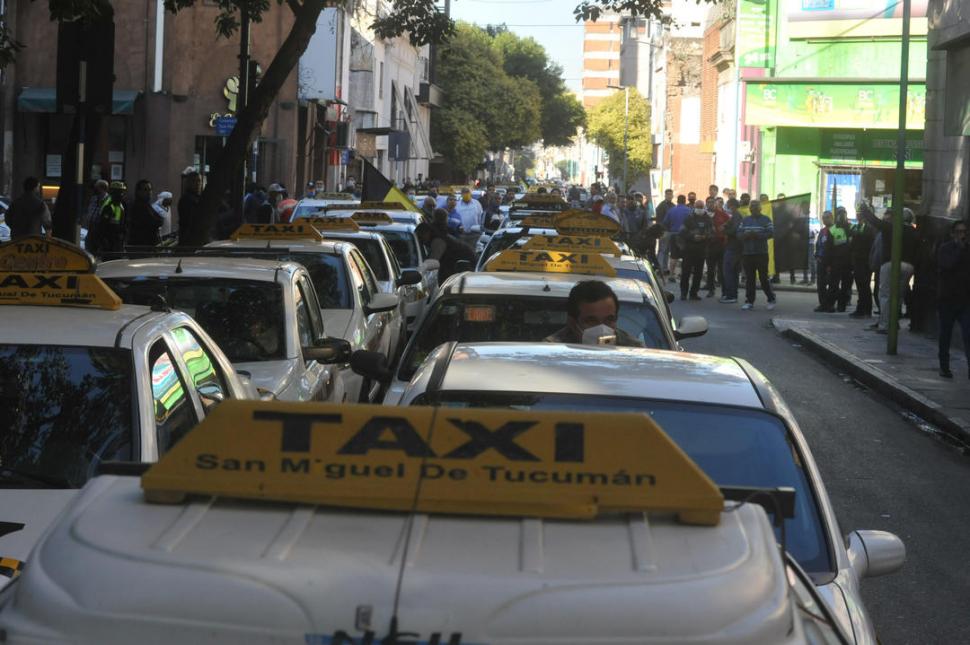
321	202
345	525
355	307
264	314
721	411
394	211
86	380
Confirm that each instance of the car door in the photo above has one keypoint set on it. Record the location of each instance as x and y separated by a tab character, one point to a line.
376	337
316	378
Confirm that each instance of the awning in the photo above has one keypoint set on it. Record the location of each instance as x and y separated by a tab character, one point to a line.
44	99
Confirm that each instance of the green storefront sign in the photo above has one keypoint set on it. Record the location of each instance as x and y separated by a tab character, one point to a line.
833	105
755	39
871	147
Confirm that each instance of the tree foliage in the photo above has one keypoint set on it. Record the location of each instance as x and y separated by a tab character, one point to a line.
605	127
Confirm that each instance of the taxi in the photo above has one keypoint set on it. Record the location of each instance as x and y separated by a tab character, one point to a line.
531	204
354	305
344	525
85	379
395	211
263	313
394	253
721	411
321	202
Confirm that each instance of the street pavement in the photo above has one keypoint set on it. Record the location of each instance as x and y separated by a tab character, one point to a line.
884	467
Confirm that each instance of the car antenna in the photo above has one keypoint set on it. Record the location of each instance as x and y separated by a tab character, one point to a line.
393	634
178	267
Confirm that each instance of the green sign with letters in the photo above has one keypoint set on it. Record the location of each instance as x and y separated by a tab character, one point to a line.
755	39
833	105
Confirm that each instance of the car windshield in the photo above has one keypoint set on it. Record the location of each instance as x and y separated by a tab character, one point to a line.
244	317
735	447
62	411
405	247
507	318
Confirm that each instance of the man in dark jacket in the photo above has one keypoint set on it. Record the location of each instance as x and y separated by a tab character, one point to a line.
28	214
860	244
953	293
822	262
188	206
755	231
144	224
909	243
447	249
838	258
696	233
732	253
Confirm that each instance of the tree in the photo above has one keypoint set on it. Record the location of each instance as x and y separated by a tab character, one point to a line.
605	127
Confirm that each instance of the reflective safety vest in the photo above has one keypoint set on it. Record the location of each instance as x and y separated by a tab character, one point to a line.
116	212
839	236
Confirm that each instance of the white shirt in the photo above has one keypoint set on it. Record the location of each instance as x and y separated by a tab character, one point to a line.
470	213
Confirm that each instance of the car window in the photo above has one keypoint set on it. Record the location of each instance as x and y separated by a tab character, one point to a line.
366	275
174	413
307	328
329	277
373	253
507	318
244	317
734	446
63	410
356	267
205	374
313	307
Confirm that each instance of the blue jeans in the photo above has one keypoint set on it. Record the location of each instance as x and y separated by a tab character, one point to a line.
729	283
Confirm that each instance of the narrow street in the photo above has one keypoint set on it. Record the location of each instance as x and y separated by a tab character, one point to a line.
882	471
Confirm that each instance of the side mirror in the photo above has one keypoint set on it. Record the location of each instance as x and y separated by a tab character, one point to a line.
409	277
669	296
372	365
382	302
691	327
875	553
211	395
329	350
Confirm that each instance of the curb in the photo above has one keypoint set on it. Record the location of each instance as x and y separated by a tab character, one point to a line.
883	383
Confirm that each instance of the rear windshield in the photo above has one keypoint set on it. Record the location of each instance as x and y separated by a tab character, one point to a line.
405	247
735	447
508	318
244	317
62	411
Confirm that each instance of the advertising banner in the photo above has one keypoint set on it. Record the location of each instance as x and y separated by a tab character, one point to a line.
755	44
853	18
834	105
790	216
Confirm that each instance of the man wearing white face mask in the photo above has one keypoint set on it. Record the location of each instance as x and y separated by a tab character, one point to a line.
471	213
592	313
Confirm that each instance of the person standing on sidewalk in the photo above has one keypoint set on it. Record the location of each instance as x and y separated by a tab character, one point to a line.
909	241
755	231
28	214
715	249
821	247
663	251
696	234
953	299
732	254
673	221
860	244
838	257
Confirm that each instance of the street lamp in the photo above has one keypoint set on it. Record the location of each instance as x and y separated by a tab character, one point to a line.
626	126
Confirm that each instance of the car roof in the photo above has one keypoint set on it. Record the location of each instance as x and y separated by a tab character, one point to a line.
545	285
322	246
70	326
237	267
600	370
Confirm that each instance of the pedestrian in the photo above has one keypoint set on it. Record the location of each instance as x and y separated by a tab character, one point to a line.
454	219
821	261
712	191
110	231
597	204
861	237
953	293
188	206
673	221
427	208
163	206
745	200
755	231
663	251
610	208
472	216
691	198
311	190
696	234
908	258
732	253
632	219
144	223
28	214
838	258
445	248
715	249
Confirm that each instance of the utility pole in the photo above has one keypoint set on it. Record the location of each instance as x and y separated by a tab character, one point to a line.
242	97
898	192
626	135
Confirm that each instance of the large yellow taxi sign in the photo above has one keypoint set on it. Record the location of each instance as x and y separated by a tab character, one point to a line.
332	223
40	271
579	222
386	206
572	244
587	263
470	462
372	218
538	221
300	231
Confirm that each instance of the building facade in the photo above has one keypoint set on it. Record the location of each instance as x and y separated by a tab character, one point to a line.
602	41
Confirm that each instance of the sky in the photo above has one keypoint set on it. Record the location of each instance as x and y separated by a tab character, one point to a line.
550	22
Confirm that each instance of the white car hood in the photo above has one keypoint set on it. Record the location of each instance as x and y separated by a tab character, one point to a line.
36	509
272	376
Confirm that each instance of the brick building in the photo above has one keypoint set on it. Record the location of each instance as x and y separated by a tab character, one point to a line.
601	58
689	164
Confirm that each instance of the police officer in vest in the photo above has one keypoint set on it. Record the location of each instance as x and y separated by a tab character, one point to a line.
111	223
838	255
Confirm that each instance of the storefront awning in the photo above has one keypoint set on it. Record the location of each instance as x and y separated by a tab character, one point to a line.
44	99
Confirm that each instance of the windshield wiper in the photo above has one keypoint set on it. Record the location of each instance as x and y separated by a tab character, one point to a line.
25	477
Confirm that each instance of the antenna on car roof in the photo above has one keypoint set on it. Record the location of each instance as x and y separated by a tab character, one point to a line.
178	267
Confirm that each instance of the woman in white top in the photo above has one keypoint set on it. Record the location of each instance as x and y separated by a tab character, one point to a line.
163	206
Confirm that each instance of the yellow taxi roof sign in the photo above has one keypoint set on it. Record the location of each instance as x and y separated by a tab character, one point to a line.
579	222
572	243
469	462
372	217
538	221
344	196
551	262
37	253
332	223
542	198
277	232
387	206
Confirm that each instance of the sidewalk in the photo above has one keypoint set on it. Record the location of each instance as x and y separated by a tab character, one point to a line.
910	378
